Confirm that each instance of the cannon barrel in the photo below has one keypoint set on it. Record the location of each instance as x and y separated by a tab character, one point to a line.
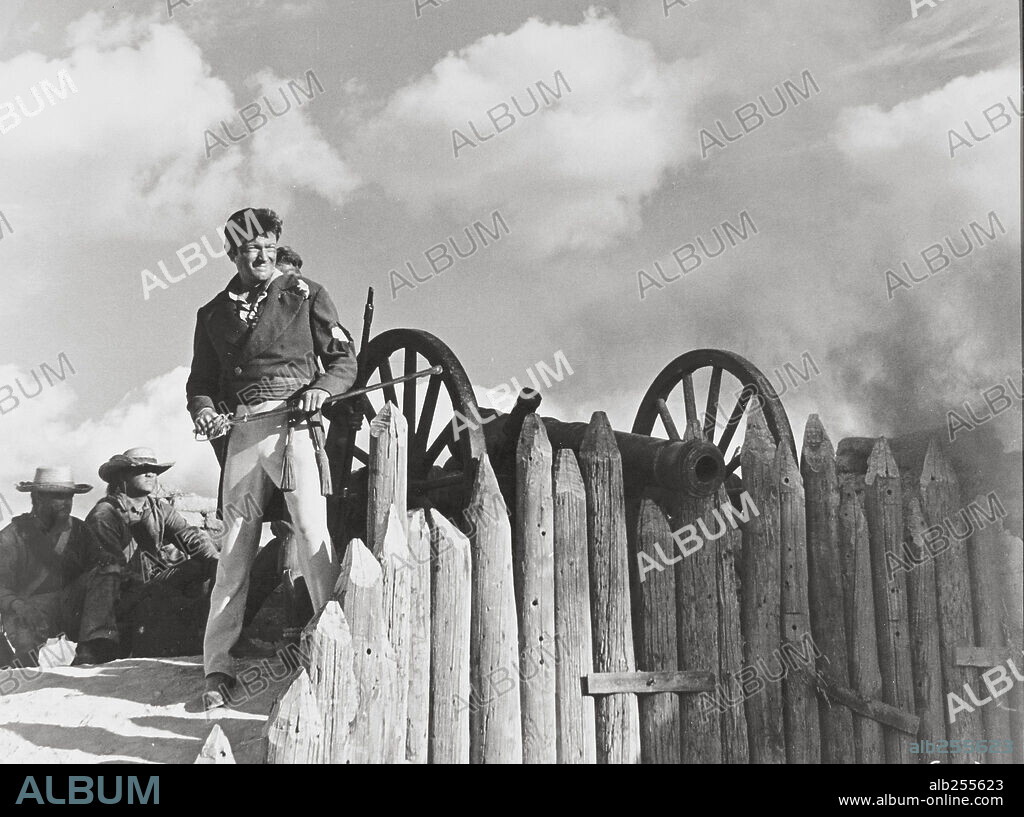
692	467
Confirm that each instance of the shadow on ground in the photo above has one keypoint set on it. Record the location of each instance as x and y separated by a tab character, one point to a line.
137	710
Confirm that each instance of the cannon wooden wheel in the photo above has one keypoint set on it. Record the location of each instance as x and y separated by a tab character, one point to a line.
441	413
713	374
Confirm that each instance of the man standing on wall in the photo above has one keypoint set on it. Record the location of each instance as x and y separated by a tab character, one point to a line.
256	349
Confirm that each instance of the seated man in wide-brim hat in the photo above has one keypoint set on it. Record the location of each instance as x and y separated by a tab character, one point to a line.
156	548
168	564
47	583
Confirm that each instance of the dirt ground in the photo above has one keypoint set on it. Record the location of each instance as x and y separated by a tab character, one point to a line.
137	710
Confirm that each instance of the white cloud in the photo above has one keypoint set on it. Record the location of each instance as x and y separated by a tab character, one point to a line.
45	430
573	174
292	148
123	156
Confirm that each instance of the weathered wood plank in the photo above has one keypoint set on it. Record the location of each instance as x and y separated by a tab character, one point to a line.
534	569
397	580
735	741
450	615
694	551
827	605
216	750
654	597
386	475
761	589
577	741
990	597
293	726
418	709
884	510
327	646
922	609
872	708
799	702
618	717
495	718
1013	557
361	594
859	604
649	683
940	493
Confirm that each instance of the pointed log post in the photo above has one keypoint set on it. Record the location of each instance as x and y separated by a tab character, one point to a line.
293	727
799	702
577	741
828	623
398	571
534	569
327	644
735	740
884	509
923	613
761	590
495	719
701	524
361	594
940	491
618	716
386	475
416	741
990	597
657	648
859	607
216	750
1013	558
451	610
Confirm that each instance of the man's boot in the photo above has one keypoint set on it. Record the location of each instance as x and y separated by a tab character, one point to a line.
218	685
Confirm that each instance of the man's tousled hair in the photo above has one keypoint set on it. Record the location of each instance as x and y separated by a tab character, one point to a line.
245	225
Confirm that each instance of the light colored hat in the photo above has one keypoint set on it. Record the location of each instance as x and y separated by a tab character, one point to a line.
132	458
55	479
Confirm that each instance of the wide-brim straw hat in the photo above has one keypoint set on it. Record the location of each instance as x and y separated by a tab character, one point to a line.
132	458
54	479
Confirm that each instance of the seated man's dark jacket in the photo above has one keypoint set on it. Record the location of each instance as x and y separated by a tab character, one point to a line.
297	327
33	562
146	541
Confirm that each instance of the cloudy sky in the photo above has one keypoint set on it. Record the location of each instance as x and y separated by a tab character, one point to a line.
114	158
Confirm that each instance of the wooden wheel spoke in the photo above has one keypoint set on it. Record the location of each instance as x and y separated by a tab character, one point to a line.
359	454
734	419
733	464
386	374
409	391
444	440
427	412
368	410
690	402
450	478
711	407
667	421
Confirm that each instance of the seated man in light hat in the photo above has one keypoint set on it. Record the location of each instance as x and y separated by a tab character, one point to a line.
46	584
142	531
162	556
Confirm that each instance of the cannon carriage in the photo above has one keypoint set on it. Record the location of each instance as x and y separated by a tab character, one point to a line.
671	446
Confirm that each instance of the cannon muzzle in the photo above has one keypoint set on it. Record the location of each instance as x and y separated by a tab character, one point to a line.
691	467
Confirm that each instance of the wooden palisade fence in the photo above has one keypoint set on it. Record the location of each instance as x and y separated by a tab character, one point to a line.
854	602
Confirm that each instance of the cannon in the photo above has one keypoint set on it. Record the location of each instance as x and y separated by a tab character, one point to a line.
449	432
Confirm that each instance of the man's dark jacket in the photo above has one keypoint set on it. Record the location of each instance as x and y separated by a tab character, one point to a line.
34	562
147	541
298	325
